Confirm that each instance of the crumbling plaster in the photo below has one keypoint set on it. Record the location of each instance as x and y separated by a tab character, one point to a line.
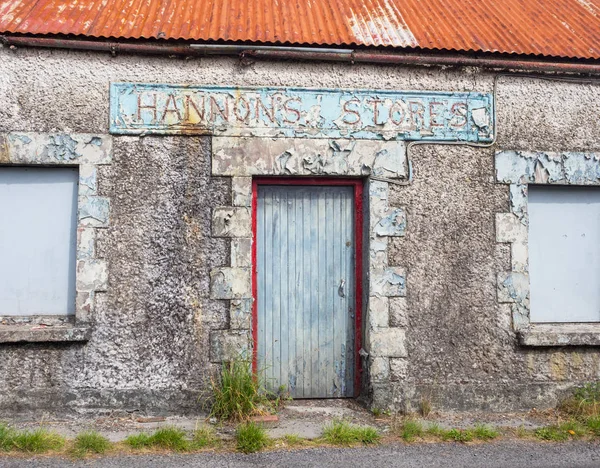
151	331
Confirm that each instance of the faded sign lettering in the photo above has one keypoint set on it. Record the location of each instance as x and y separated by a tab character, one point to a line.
294	112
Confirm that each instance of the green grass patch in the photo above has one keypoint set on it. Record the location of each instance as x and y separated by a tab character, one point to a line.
204	437
585	401
251	437
340	432
551	433
593	425
574	428
435	430
458	435
521	432
90	442
6	437
485	432
293	440
38	441
169	438
409	430
139	441
238	393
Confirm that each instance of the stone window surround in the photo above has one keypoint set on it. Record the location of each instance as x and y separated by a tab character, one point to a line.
519	169
241	158
85	151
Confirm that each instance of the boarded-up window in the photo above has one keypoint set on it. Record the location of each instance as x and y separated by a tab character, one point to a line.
38	232
564	253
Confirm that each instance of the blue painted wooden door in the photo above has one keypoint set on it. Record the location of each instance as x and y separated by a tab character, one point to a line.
305	289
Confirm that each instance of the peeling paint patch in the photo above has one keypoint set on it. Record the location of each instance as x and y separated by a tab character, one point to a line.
538	167
243	157
513	287
392	224
92	275
56	148
88	183
93	211
388	282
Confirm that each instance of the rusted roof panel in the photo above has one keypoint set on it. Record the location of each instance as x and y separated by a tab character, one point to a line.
558	28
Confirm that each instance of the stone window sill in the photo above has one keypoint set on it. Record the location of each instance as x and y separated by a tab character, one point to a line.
44	334
561	334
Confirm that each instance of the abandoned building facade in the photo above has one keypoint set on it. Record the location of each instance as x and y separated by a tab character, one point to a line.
381	219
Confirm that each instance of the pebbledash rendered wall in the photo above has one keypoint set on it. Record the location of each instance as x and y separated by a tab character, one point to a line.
153	321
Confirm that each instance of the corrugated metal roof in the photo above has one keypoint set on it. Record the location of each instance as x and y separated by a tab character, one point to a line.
559	28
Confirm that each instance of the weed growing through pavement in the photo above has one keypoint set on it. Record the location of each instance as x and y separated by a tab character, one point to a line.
238	393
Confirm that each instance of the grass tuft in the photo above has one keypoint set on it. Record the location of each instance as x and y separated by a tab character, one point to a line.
251	437
37	441
340	432
409	430
237	394
6	437
139	441
458	435
521	432
425	407
551	433
293	439
585	401
204	437
90	442
593	425
435	430
485	432
573	428
170	438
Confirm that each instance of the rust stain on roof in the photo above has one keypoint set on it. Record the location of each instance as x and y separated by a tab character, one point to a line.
557	28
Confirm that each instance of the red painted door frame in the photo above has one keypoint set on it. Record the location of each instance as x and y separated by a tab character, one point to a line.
358	185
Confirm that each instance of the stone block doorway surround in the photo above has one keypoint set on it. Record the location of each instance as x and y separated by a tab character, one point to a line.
378	164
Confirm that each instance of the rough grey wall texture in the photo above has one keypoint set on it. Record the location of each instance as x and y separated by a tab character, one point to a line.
149	347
